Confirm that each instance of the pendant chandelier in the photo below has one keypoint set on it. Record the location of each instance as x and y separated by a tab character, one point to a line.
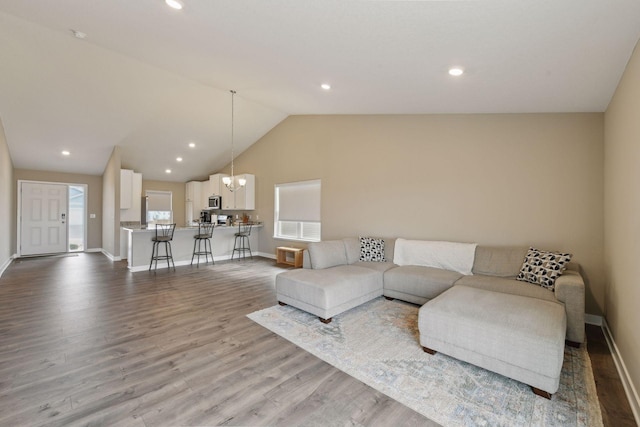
230	181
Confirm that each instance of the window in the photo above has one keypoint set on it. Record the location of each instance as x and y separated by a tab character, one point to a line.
159	207
77	215
297	215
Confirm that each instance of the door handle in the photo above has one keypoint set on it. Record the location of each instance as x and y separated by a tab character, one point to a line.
64	215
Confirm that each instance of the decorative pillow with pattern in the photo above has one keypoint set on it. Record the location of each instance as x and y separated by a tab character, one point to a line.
371	250
543	267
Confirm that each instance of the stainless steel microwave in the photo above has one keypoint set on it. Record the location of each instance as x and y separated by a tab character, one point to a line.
215	202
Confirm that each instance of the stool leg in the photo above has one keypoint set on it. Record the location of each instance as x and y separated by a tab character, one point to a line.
213	261
171	255
166	252
198	252
194	250
235	245
249	247
153	249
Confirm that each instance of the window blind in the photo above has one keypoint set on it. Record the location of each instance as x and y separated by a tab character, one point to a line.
158	200
299	201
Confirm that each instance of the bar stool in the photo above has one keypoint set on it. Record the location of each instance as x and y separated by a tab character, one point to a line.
241	243
164	234
205	232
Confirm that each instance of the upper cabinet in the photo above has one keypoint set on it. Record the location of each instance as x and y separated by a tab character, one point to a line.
193	200
193	192
215	184
130	193
246	195
126	188
205	193
243	198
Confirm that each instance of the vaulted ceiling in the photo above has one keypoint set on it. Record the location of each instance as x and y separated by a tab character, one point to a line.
152	79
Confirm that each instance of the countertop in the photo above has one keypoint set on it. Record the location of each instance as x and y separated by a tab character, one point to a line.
140	229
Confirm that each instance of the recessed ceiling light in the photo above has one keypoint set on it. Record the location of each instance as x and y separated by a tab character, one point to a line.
325	86
178	159
66	153
176	4
167	171
456	71
192	145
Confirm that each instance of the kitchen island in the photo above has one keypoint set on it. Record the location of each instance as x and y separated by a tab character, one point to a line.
139	245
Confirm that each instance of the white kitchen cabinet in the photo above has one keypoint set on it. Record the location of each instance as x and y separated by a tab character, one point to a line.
130	193
126	187
243	198
215	184
228	198
193	200
204	195
193	192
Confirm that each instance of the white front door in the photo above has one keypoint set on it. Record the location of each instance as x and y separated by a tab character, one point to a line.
43	218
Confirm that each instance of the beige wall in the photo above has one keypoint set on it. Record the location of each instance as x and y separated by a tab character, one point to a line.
111	205
94	197
177	197
525	179
622	217
7	205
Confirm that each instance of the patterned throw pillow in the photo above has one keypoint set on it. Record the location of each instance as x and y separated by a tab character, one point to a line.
371	249
543	267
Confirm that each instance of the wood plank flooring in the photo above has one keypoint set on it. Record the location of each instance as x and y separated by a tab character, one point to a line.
85	342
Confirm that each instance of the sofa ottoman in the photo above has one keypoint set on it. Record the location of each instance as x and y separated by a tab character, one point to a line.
515	336
328	292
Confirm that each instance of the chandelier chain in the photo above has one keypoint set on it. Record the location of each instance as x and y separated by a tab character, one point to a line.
233	92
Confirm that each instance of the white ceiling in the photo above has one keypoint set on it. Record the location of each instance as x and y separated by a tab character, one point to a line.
152	79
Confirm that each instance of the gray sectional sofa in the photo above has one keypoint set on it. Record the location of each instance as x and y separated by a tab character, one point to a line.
333	280
474	310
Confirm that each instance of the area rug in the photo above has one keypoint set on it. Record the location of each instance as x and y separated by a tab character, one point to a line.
378	344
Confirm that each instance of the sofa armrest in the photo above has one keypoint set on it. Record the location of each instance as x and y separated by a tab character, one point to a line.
569	289
306	261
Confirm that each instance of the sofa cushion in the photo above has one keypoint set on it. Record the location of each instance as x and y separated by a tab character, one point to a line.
371	249
352	247
506	286
543	267
330	287
327	254
425	282
446	255
377	266
500	261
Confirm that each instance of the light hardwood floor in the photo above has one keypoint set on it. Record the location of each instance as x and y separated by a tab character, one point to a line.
85	342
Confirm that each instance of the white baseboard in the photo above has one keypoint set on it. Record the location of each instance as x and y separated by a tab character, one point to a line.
266	255
111	257
6	264
94	250
629	388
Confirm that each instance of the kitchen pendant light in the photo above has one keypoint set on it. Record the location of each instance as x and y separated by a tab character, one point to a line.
230	181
